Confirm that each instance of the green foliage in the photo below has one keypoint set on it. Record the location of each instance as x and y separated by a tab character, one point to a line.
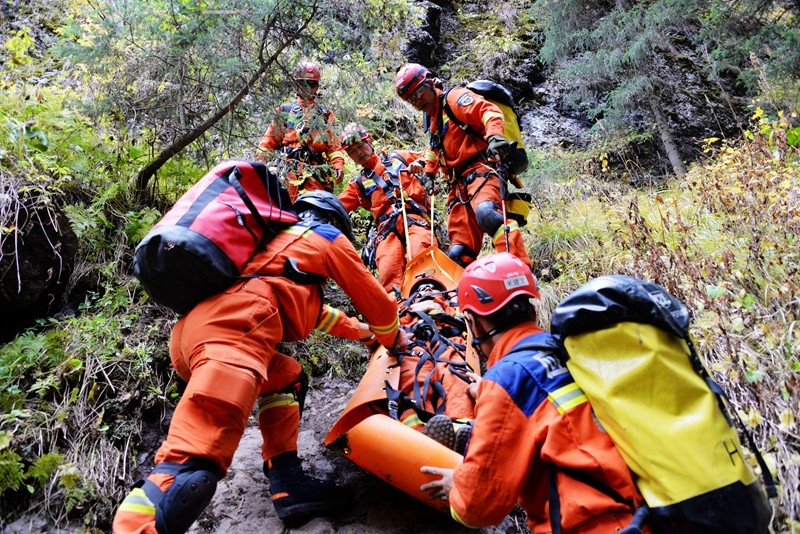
19	46
174	65
548	166
756	41
44	468
608	56
499	37
12	471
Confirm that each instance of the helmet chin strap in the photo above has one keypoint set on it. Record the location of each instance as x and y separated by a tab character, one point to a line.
478	340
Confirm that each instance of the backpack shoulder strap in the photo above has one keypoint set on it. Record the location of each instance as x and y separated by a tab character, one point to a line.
360	184
449	111
542	341
395	155
379	181
452	116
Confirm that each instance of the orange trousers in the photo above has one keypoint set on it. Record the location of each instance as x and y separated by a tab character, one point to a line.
458	404
225	350
463	227
390	253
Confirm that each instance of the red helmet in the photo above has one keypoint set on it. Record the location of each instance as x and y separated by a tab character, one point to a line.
307	71
352	134
409	78
489	284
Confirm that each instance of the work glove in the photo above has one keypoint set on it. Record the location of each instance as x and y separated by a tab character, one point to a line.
415	167
371	342
429	183
400	343
498	147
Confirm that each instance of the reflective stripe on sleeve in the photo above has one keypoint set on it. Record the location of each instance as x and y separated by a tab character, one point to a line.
382	330
567	397
489	115
330	316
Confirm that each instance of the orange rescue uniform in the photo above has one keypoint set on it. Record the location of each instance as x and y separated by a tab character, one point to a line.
304	132
391	253
225	348
473	180
534	429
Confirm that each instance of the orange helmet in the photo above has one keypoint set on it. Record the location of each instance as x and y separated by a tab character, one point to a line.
490	283
306	71
352	134
409	78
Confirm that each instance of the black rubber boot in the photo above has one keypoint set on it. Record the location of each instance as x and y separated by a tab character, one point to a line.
297	495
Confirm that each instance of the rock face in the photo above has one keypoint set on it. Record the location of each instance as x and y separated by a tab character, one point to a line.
544	120
37	254
694	105
423	39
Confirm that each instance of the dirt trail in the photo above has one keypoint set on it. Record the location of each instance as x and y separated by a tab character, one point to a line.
242	503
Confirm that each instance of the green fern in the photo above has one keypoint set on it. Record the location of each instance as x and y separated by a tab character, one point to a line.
44	468
12	471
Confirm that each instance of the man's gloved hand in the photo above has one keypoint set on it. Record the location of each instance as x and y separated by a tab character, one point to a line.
400	342
415	167
429	183
371	342
338	174
498	146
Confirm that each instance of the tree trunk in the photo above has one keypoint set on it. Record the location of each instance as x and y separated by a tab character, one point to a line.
666	137
144	176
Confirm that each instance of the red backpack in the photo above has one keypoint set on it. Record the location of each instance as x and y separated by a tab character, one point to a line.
202	243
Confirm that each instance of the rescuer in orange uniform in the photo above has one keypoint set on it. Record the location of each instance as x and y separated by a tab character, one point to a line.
468	164
303	131
535	439
225	348
389	189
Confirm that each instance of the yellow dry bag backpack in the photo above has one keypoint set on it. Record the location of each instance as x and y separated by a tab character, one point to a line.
627	344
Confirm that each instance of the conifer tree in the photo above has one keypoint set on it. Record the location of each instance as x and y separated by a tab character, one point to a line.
613	56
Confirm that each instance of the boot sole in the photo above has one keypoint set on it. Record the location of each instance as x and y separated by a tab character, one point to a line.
306	509
440	429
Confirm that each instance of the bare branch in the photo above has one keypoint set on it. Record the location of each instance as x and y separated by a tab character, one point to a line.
144	176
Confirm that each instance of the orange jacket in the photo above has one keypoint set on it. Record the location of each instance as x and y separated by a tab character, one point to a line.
458	151
321	249
318	132
532	422
376	200
337	323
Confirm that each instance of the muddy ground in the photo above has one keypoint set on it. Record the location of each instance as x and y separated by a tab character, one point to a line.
242	504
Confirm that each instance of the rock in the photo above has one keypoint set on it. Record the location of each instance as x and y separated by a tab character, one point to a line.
37	254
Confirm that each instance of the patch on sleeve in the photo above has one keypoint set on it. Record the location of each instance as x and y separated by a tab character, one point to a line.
465	100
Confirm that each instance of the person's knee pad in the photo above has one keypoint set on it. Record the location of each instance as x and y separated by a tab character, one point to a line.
231	389
461	254
488	216
299	389
194	485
